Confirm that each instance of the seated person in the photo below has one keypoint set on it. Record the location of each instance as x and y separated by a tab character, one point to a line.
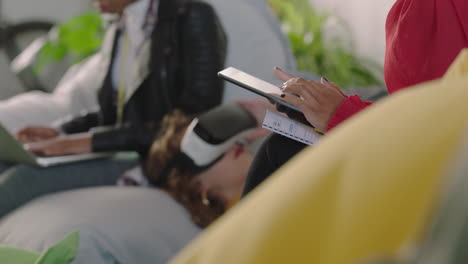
148	76
78	88
159	64
423	38
367	190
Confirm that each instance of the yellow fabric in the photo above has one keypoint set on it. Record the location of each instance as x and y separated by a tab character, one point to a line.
365	190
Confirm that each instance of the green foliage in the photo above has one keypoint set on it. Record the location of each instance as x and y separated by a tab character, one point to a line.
78	38
333	57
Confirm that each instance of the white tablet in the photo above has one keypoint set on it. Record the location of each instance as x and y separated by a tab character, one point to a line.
254	85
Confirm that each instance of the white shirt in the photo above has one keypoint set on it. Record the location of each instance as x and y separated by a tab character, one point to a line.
134	17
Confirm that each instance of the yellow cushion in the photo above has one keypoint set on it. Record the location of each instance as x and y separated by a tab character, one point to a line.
365	190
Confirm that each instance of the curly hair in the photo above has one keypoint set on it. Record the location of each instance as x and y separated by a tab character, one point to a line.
177	181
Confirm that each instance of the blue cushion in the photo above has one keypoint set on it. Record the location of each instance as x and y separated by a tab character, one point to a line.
116	224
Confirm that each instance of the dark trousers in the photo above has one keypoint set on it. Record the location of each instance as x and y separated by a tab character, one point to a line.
274	152
21	184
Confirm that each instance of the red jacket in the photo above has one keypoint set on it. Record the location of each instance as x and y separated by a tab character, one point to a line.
423	37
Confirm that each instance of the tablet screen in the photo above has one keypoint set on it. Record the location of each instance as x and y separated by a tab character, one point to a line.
254	85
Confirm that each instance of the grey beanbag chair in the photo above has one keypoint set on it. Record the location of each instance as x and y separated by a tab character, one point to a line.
116	224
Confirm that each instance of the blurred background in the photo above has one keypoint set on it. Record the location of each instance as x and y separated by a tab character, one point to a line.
366	19
15	11
342	40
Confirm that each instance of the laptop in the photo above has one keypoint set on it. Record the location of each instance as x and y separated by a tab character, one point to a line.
11	150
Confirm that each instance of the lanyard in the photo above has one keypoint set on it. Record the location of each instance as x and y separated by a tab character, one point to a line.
121	94
123	81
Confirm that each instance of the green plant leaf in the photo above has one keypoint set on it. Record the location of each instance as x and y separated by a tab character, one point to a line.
334	58
77	38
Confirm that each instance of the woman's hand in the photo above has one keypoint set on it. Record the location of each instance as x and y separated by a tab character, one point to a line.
65	145
35	134
318	101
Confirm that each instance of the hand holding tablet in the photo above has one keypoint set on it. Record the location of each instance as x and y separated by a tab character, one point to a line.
255	85
317	101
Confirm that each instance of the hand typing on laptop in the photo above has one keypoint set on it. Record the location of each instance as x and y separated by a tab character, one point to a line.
34	134
58	148
45	141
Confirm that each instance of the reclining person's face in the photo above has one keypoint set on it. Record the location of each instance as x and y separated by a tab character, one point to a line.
112	6
223	182
207	194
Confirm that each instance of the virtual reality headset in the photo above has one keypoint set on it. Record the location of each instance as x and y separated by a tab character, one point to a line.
209	136
213	133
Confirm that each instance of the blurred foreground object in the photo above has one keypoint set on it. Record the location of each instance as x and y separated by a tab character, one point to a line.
351	197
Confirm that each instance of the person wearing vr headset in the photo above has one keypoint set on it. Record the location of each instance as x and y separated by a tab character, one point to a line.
203	162
161	55
423	37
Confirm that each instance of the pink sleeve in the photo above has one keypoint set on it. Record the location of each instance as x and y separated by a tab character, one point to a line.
349	107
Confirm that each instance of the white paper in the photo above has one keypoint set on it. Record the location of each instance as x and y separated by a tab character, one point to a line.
290	128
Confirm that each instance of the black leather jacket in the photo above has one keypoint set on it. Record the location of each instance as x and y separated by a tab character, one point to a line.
188	48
